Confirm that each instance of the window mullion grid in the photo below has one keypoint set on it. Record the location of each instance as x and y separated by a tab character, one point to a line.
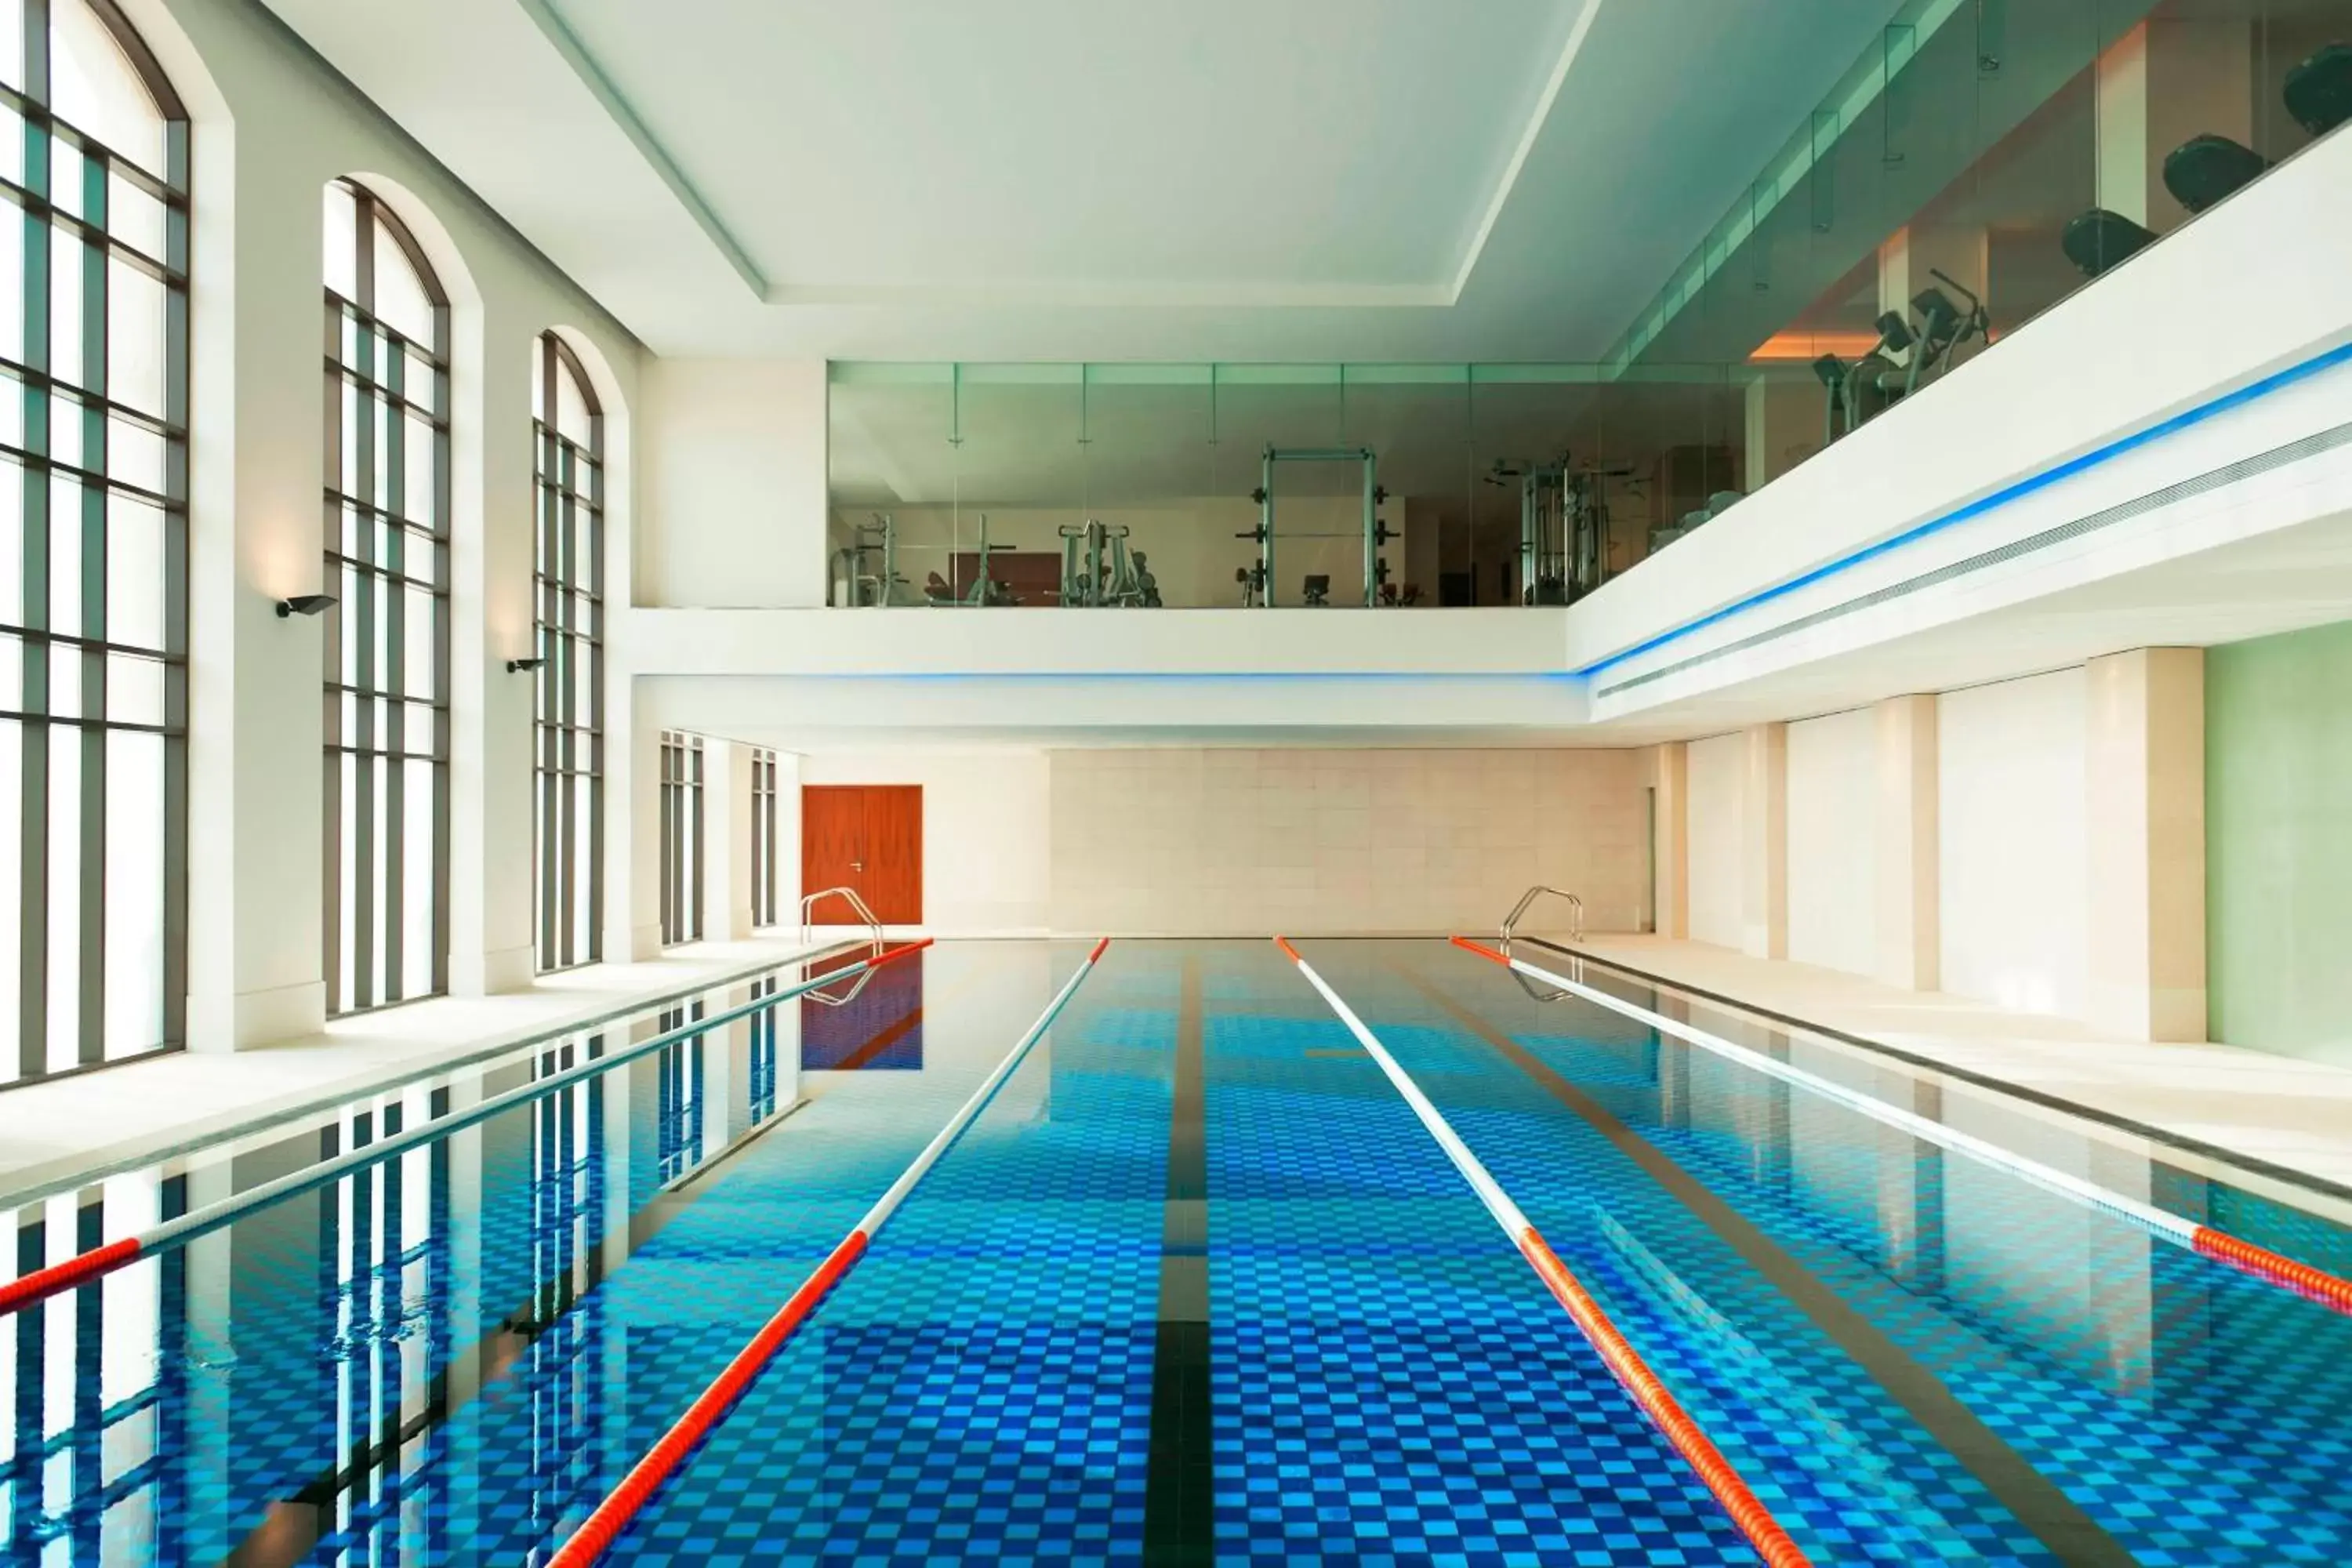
345	577
91	1012
444	503
175	589
393	864
33	800
554	849
696	868
363	857
568	705
561	674
590	671
78	811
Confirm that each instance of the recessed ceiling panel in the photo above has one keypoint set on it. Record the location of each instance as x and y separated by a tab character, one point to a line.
1213	148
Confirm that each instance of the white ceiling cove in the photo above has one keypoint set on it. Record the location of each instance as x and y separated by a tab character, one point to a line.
1105	179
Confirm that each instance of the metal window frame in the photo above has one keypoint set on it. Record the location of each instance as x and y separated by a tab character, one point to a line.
568	620
682	759
52	400
765	908
372	588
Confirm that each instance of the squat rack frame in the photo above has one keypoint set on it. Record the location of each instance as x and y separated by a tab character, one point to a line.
1374	534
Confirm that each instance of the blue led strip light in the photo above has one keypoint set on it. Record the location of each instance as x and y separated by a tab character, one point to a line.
2263	388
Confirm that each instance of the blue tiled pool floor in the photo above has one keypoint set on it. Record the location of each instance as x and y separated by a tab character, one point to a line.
1197	1188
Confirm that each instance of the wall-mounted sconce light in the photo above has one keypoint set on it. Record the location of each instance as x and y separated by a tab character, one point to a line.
305	604
516	665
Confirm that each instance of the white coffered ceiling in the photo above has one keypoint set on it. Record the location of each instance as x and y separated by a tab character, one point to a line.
1104	179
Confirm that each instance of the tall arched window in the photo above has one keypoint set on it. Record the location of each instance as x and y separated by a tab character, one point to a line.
93	542
387	662
568	589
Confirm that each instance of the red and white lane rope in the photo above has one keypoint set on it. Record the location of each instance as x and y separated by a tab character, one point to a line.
626	1501
2260	1262
1764	1532
80	1270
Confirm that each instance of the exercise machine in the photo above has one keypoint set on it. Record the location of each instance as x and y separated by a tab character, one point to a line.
1853	392
985	592
2318	92
2205	169
857	580
1097	568
1314	591
1563	526
1909	352
1377	533
1944	327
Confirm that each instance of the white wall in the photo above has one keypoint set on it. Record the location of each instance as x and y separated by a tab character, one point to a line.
270	128
2050	393
2015	905
734	492
1833	841
1718	793
987	860
1234	841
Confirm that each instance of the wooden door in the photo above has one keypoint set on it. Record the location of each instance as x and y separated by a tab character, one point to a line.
869	837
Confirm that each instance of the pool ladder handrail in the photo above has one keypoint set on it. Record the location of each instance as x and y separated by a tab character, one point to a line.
821	997
849	895
1576	906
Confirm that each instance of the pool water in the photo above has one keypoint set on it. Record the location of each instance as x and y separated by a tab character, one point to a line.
1195	1285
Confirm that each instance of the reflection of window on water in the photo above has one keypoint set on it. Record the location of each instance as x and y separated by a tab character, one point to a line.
679	1100
93	1379
566	1322
567	1198
295	1388
764	1032
387	1228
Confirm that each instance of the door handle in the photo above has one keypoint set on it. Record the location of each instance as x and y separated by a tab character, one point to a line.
858	864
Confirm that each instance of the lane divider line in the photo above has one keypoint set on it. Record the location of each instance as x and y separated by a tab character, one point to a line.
1765	1533
80	1270
2257	1262
620	1508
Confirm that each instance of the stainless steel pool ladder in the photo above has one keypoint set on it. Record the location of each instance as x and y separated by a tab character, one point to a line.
1576	913
849	895
821	997
1575	933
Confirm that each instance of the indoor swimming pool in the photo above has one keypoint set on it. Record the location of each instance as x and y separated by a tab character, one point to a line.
1196	1284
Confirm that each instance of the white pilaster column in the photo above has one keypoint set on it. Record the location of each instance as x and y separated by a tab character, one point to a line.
493	870
727	841
2145	837
2120	166
1670	838
632	825
1764	842
256	871
1908	854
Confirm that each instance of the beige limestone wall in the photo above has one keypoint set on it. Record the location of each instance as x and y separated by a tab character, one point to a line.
1232	841
2146	841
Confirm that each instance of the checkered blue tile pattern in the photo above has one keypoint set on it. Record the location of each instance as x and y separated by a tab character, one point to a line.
452	1359
2196	1414
1392	1383
980	1388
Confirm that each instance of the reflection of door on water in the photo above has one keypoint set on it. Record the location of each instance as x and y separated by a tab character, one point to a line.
882	1027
